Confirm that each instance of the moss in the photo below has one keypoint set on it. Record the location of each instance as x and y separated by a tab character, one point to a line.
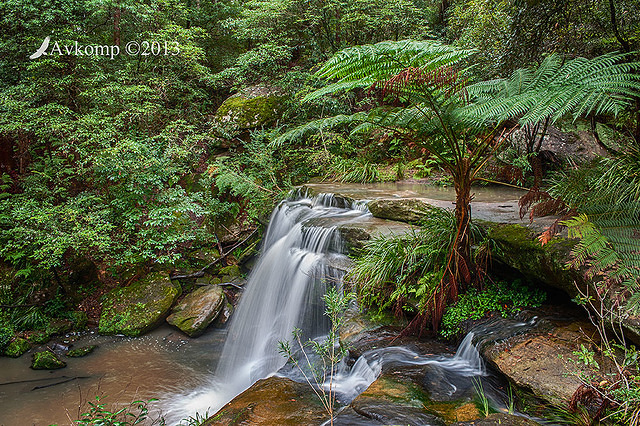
17	347
140	307
515	236
38	337
79	352
251	113
79	320
232	271
46	360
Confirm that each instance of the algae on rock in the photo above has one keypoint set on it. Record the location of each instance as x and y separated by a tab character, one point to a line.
140	307
46	360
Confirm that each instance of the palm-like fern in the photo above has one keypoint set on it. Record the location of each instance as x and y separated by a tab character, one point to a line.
424	99
578	87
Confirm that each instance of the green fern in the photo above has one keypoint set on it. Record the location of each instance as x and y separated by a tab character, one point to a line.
579	87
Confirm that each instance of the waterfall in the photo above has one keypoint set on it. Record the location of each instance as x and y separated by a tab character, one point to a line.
284	292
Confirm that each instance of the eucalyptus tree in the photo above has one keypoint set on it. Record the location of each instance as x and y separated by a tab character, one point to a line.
424	97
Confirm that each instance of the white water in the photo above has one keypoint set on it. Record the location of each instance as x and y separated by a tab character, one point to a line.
284	292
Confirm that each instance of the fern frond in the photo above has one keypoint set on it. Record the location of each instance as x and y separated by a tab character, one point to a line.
362	66
603	85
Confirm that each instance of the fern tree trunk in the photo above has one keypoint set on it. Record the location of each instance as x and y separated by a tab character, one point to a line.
460	271
461	267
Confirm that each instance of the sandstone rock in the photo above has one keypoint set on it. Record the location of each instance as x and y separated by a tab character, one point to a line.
272	401
197	310
402	209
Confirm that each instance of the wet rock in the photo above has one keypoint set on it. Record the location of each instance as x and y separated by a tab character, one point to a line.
80	352
252	108
17	347
197	310
499	419
272	401
46	360
392	399
140	307
541	360
225	314
403	209
444	386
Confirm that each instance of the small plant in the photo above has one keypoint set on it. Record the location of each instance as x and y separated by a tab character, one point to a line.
196	420
136	413
483	401
330	351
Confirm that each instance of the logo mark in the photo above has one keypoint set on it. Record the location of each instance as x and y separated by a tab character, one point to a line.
42	50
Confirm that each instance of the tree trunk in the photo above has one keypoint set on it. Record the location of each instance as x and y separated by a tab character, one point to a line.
460	266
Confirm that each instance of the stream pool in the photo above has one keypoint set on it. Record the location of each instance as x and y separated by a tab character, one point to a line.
157	365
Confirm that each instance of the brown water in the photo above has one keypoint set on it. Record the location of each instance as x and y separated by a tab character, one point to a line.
158	365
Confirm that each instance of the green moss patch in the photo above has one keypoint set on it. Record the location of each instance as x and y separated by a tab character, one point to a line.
140	307
46	360
17	347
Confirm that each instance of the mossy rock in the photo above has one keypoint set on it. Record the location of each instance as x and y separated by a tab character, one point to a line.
197	310
252	110
521	250
140	307
80	352
59	326
17	347
39	337
229	273
46	360
408	210
80	320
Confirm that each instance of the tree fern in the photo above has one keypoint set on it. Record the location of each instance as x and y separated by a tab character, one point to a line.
603	85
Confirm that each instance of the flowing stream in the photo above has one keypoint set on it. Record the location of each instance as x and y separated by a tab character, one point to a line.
284	292
302	254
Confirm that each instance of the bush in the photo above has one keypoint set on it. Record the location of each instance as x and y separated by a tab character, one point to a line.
500	297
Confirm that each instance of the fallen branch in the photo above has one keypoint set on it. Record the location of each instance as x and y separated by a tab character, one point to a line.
202	271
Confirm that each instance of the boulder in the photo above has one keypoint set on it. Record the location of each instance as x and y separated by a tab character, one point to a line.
46	360
252	108
197	310
80	352
392	399
400	209
543	360
140	307
520	249
272	401
17	347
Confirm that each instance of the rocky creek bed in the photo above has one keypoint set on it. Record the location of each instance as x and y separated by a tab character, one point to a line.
535	359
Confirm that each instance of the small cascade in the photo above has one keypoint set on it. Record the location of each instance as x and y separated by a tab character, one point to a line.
284	292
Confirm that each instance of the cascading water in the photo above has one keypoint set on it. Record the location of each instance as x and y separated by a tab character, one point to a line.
284	292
